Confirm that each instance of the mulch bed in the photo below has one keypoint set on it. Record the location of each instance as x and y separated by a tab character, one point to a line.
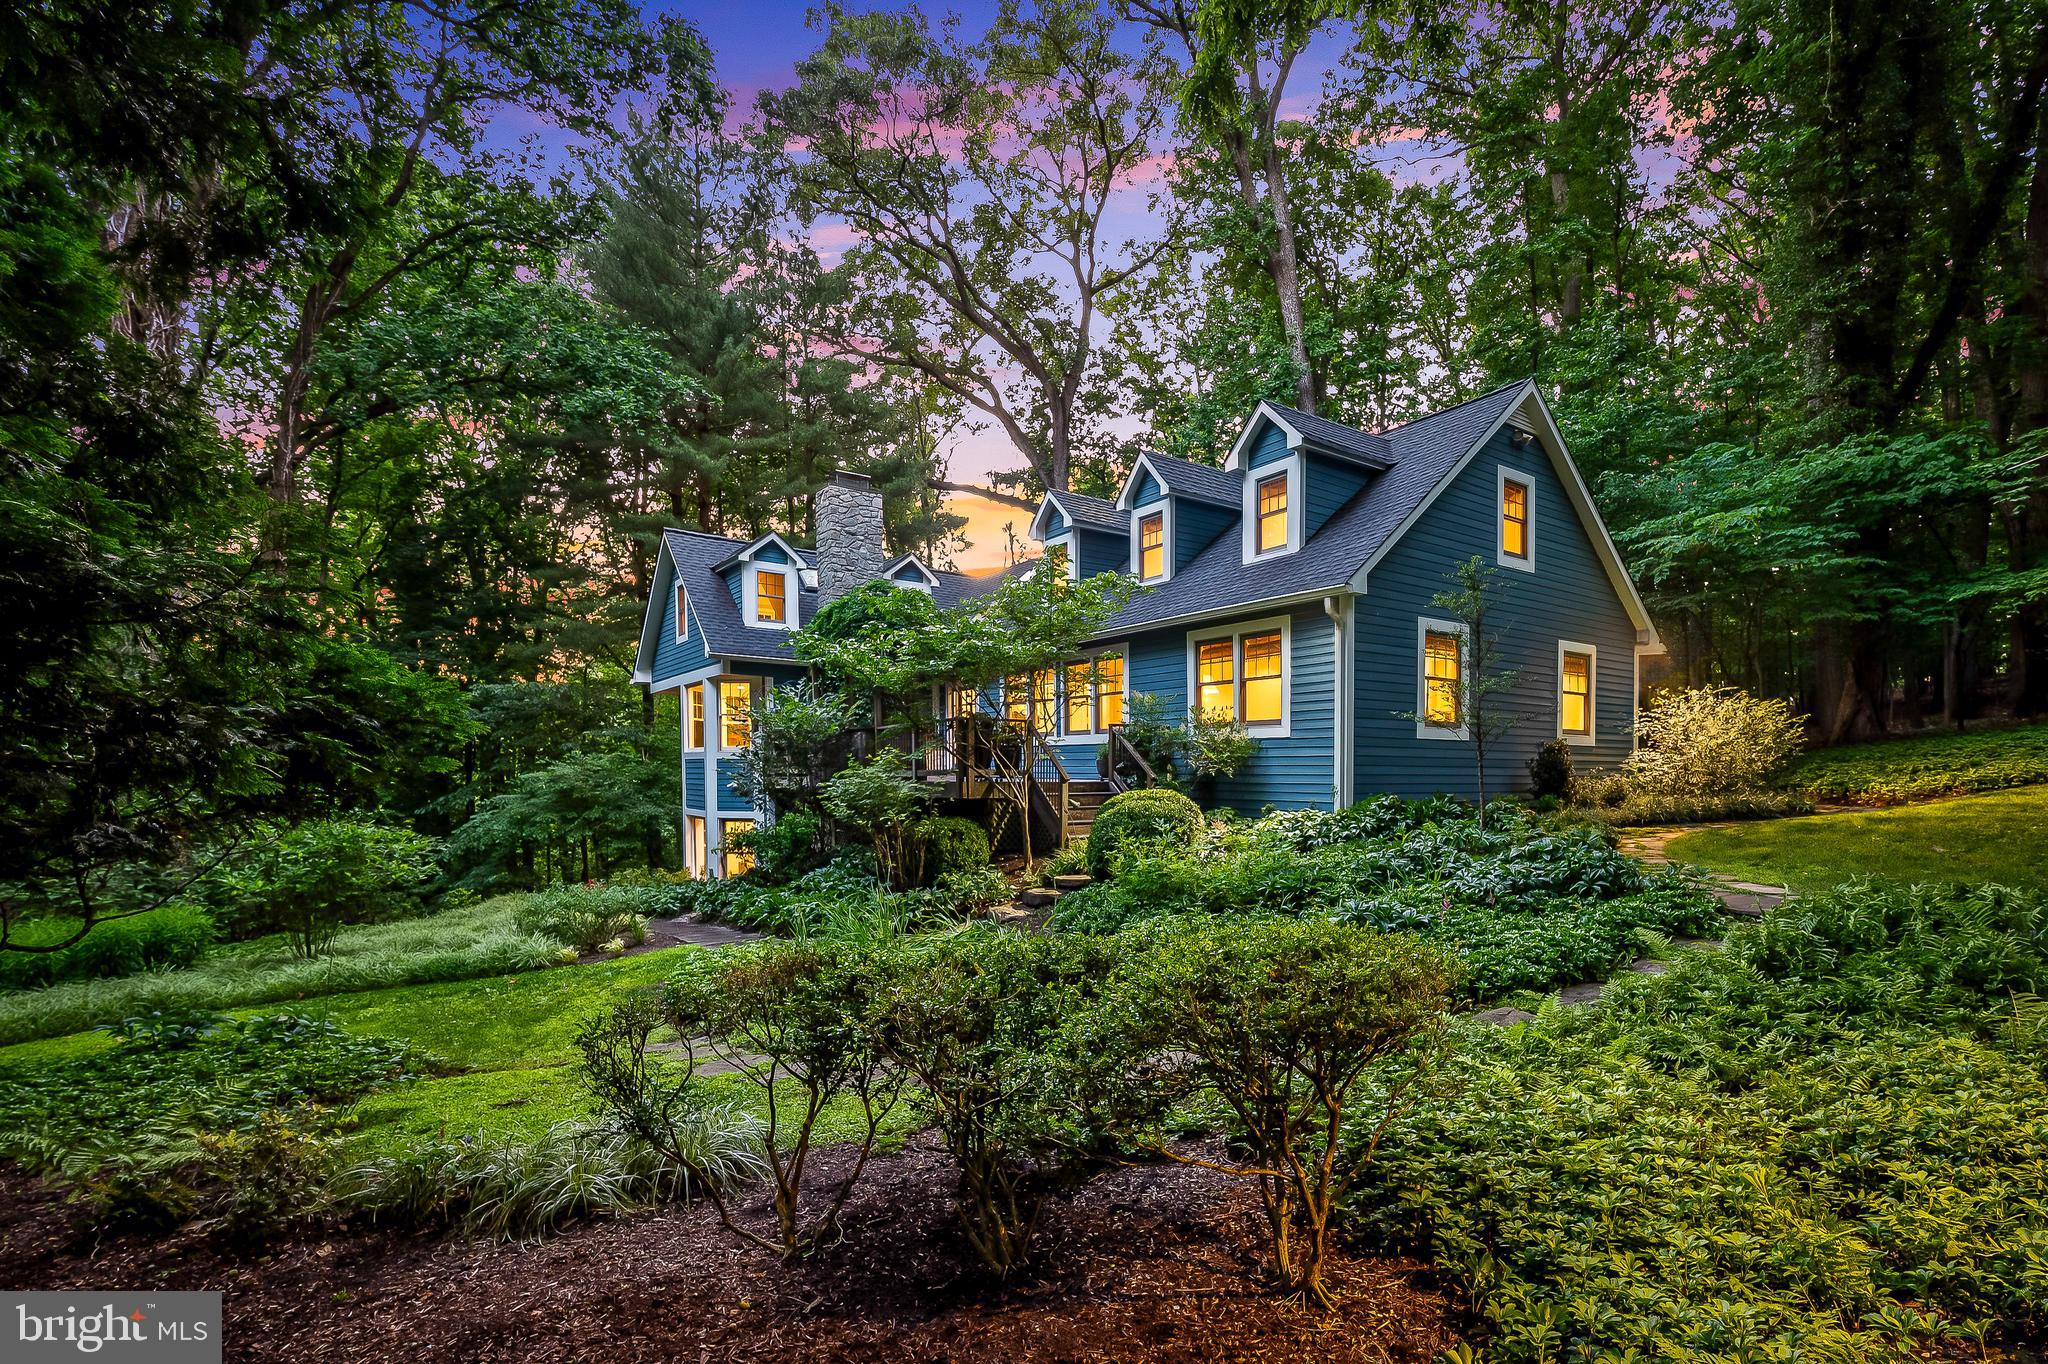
1155	1264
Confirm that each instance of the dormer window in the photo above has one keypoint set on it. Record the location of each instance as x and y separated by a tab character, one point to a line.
1272	529
1152	546
772	599
1271	511
1517	521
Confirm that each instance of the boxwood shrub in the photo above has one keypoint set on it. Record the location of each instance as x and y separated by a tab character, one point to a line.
1143	818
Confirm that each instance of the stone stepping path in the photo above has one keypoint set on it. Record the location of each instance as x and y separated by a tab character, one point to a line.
1743	898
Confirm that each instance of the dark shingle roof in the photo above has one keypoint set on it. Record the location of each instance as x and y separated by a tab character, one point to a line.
698	558
1339	439
1202	482
1090	513
1424	452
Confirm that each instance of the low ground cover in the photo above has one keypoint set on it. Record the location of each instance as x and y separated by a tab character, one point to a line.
1829	1140
1525	903
456	944
1996	838
1894	770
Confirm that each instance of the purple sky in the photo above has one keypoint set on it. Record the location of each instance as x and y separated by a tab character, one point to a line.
757	45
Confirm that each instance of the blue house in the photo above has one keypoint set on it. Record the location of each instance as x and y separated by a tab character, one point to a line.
1289	590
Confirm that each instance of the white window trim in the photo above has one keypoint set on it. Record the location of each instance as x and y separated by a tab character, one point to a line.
684	693
1592	653
1291	466
1235	634
1069	542
714	716
1502	477
751	590
1164	507
1094	709
1425	626
682	598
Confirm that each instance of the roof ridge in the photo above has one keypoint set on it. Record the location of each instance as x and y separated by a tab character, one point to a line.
1446	411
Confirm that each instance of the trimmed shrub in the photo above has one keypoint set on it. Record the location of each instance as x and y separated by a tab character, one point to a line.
1712	741
176	935
951	846
1550	771
586	917
1141	818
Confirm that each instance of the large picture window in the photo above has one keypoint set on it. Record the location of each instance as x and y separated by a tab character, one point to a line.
1242	676
736	861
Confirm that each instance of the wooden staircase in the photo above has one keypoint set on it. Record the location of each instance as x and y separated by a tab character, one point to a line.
1085	800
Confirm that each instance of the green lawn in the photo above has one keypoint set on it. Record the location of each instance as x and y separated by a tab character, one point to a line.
1998	838
456	944
1893	770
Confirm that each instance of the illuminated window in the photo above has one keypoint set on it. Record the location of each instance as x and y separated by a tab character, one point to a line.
1440	664
698	858
1095	694
735	711
682	614
1016	700
1514	519
693	719
1272	533
1575	693
1152	546
735	861
1262	703
1216	679
1109	689
771	603
1045	697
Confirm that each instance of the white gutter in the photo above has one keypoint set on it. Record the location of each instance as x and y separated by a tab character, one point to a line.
1339	608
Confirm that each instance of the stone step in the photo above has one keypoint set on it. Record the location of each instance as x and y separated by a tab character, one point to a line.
1066	885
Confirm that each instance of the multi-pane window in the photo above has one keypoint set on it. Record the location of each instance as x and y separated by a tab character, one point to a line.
698	856
1441	660
771	599
735	711
1272	525
1216	678
693	718
1032	700
1151	545
1109	690
682	614
738	861
1514	518
1095	694
1575	693
1262	693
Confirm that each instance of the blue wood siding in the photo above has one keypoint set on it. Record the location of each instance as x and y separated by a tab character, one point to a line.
670	658
1286	773
693	775
1269	448
1329	486
1054	521
731	802
1100	551
733	585
1148	491
771	553
907	574
1195	526
1568	597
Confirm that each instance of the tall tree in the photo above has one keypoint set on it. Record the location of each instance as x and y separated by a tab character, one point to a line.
976	178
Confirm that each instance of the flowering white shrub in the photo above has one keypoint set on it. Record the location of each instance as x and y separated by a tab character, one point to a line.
1712	741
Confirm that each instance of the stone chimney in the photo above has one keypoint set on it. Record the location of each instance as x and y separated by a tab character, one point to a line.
849	513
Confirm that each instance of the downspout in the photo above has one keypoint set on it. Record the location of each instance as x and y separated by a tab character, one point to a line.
1337	607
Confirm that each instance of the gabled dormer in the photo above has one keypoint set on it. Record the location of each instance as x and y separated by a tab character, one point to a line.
1090	531
1295	471
1176	509
765	578
911	572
